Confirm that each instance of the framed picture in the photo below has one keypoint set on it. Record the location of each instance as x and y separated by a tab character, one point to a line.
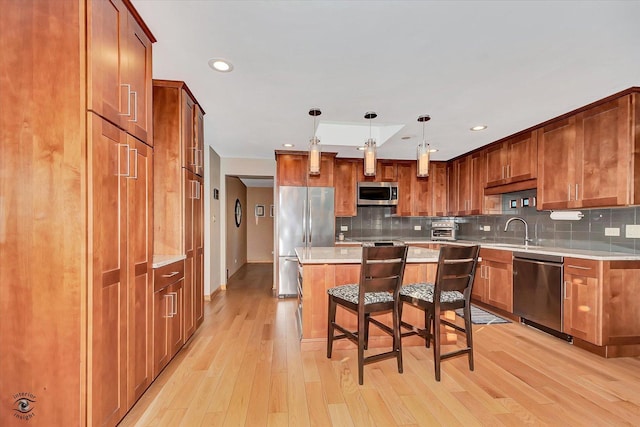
271	211
259	210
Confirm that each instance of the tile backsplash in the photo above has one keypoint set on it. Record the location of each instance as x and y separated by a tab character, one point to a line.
587	233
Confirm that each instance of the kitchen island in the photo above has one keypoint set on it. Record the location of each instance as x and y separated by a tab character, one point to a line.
321	268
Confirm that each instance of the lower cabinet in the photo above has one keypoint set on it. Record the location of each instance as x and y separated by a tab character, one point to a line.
581	306
168	313
493	283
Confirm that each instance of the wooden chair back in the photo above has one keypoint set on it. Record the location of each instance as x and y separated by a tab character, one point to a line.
456	270
382	269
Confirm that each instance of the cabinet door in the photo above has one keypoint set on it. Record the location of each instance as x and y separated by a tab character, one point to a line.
345	188
604	162
107	191
106	94
478	291
499	292
198	238
581	307
189	144
522	155
199	139
137	74
556	164
325	179
496	160
388	170
191	194
477	180
452	188
139	249
162	309
438	189
291	169
406	192
175	323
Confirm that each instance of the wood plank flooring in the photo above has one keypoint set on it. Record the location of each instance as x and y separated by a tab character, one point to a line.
244	367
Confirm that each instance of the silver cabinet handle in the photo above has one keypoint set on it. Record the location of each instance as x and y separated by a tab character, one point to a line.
135	107
135	164
194	156
578	267
566	284
168	310
175	303
173	273
128	86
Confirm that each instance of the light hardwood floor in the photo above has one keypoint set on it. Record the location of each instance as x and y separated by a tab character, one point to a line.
244	367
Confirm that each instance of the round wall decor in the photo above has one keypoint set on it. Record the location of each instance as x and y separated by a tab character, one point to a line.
238	213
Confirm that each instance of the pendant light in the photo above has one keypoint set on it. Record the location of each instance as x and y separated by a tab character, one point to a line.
424	150
314	146
370	149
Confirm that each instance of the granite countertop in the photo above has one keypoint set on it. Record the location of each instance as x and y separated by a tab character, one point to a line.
353	255
162	260
564	252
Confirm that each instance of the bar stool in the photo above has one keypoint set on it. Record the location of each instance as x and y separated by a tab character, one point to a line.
381	273
452	290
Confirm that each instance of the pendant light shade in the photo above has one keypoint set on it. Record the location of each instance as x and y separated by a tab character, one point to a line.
314	146
424	151
370	149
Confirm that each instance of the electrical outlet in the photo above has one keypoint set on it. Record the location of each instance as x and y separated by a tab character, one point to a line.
486	228
632	231
344	228
417	227
612	231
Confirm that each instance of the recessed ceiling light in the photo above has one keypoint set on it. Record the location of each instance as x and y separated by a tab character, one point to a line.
288	145
221	65
433	150
405	137
479	127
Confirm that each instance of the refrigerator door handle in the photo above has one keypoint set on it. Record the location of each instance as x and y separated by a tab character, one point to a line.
291	259
310	227
304	223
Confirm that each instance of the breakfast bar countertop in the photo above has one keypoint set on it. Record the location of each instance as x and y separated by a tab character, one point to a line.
353	255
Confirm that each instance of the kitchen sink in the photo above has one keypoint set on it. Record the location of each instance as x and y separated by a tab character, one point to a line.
512	245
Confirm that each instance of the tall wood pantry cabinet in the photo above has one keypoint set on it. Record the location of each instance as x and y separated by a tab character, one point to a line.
75	212
179	189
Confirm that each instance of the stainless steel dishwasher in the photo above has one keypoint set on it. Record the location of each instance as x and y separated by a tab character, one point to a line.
538	291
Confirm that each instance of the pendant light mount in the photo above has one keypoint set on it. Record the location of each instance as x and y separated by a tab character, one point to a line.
424	151
314	145
370	148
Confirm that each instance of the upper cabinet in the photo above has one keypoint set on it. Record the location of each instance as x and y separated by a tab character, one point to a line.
345	171
182	133
587	159
119	67
512	160
292	169
466	184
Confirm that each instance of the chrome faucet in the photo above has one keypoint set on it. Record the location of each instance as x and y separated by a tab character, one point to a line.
526	228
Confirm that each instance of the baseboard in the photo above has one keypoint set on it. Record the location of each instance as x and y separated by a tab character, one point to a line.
269	261
213	294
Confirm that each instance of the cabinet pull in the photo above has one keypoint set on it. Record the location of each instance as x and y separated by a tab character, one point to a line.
194	156
128	86
135	107
576	191
173	273
128	173
566	285
199	190
578	267
175	303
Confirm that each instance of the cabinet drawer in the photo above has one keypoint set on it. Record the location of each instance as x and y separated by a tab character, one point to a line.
497	255
581	267
168	274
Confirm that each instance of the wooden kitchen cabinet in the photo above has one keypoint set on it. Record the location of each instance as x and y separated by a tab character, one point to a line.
168	314
179	191
345	187
292	169
386	171
119	89
582	291
438	189
493	283
512	160
407	188
586	159
467	184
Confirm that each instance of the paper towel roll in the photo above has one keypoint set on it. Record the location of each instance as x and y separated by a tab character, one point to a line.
566	215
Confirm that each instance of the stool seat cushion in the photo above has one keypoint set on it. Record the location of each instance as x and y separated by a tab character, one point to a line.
424	291
350	293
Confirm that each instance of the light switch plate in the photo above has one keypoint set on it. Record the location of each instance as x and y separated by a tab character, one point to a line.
486	228
417	227
612	231
632	231
344	228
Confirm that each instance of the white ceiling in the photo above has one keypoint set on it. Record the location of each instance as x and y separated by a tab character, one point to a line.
509	65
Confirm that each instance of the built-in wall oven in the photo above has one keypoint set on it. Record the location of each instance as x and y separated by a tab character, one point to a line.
538	291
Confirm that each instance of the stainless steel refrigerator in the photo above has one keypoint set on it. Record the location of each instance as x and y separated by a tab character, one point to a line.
305	219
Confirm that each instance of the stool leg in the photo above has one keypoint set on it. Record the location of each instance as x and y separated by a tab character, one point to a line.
397	338
469	334
436	343
332	318
361	345
366	331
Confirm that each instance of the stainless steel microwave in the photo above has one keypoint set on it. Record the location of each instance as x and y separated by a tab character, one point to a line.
377	193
